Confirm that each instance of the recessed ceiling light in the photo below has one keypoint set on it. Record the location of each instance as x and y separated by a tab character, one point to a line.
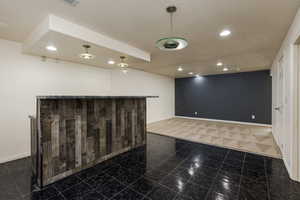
225	69
51	48
225	33
180	69
219	64
111	62
191	73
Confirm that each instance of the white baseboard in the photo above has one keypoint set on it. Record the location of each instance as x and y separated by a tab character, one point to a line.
157	120
226	121
288	169
14	157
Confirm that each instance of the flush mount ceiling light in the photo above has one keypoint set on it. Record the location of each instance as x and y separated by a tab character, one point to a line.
191	73
86	55
123	64
171	43
225	33
51	48
180	69
219	64
225	69
111	62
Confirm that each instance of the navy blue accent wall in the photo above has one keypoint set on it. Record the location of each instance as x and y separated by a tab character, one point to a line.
233	97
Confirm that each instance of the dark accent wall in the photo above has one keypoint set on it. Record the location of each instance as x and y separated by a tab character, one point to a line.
233	97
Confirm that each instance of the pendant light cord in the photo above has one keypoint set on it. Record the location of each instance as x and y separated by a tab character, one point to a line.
171	22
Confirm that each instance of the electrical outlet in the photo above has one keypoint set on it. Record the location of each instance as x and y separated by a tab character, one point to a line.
253	116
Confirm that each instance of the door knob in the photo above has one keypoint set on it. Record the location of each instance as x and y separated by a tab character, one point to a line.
277	108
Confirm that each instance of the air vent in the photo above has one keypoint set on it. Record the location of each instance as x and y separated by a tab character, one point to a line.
72	2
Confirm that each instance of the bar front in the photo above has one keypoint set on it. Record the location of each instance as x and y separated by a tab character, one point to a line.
72	133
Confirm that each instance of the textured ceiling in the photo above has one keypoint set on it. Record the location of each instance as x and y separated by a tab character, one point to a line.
258	27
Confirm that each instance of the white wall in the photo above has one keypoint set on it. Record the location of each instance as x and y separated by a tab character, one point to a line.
289	136
140	83
22	77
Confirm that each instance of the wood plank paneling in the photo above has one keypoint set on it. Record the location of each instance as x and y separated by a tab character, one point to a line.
78	133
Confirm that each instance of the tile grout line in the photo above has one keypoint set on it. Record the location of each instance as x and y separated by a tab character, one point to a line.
145	196
173	170
126	187
267	177
169	173
117	192
243	165
210	188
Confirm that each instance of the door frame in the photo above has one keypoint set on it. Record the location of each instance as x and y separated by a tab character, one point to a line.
280	102
295	167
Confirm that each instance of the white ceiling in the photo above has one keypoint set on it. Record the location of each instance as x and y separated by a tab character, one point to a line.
258	27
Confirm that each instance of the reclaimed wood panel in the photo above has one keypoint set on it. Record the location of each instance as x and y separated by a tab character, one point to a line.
79	133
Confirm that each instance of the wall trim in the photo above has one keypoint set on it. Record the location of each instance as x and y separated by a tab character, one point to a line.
157	120
226	121
14	157
288	168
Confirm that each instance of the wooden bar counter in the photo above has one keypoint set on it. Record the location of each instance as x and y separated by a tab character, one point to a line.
72	133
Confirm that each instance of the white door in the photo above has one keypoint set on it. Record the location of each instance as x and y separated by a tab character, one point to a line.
279	105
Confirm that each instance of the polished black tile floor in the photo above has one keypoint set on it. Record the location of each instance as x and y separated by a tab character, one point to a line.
166	168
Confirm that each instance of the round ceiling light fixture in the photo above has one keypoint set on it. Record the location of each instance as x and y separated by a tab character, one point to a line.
219	64
225	69
191	73
180	69
123	64
171	43
225	33
86	55
51	48
111	62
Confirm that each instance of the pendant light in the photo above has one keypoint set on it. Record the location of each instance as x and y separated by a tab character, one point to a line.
123	64
86	55
171	43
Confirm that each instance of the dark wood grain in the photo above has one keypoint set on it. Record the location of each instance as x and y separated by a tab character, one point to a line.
79	133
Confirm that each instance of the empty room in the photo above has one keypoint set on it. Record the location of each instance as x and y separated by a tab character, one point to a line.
150	100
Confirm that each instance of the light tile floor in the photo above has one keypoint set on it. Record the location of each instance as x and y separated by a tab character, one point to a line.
247	138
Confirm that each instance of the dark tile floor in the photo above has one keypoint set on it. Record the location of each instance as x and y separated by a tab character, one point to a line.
165	169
